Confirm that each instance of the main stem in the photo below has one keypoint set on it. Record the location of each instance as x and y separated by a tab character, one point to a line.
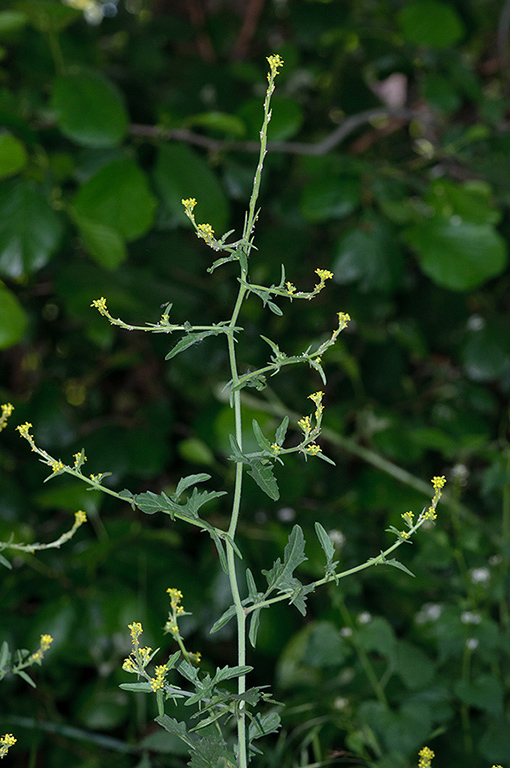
236	506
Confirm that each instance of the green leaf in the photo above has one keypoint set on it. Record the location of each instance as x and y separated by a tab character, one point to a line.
21	673
228	673
218	121
263	442
430	23
118	196
11	21
181	173
473	201
484	692
325	542
13	319
5	562
254	627
174	726
89	109
281	432
369	255
280	576
224	619
30	230
188	481
262	472
5	655
47	15
137	687
103	243
457	254
187	341
330	197
286	118
13	155
413	666
262	725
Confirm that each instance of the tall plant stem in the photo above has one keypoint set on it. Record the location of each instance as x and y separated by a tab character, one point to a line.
236	506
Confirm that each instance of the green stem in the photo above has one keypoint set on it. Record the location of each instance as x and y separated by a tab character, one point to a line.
231	563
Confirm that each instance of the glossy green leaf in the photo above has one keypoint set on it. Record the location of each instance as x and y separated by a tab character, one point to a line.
103	243
13	318
181	173
218	121
457	254
370	256
286	118
472	201
430	23
89	109
30	230
118	196
13	156
11	21
47	15
330	197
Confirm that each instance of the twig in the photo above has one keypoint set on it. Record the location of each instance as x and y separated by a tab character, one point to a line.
503	34
248	29
349	125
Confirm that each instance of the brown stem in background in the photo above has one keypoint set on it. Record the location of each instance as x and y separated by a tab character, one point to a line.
248	29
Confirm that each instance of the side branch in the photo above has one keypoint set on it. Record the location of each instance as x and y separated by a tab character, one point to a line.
349	125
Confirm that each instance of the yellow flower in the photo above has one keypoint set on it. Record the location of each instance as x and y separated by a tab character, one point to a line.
80	517
128	665
343	319
276	448
136	630
305	424
56	466
438	482
426	757
46	641
206	232
408	518
275	62
7	409
100	305
6	741
291	288
159	680
313	449
316	397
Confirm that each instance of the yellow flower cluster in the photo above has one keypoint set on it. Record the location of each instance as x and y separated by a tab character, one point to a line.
324	274
7	409
313	449
56	466
426	757
158	681
80	517
44	644
6	741
437	483
100	305
275	62
24	430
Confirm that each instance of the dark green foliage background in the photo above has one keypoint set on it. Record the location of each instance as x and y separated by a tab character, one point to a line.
104	129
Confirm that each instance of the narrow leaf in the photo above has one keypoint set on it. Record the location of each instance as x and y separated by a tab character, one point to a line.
282	431
188	341
254	627
261	439
224	619
325	542
186	482
26	678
